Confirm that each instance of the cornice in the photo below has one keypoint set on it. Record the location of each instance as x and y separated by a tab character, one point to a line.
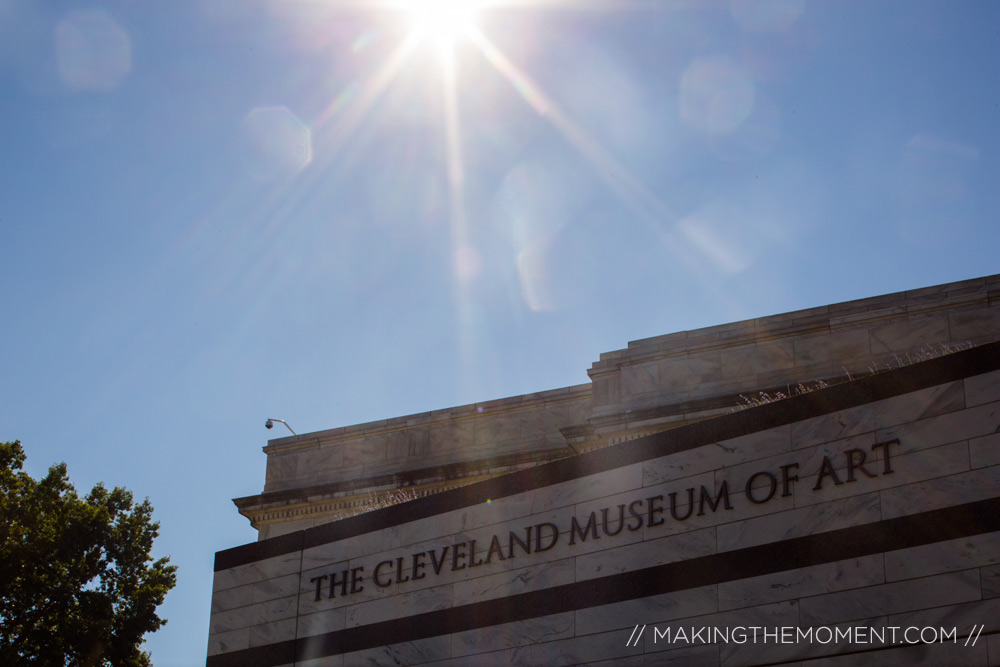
513	404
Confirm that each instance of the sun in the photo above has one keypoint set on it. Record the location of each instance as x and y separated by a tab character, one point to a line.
441	22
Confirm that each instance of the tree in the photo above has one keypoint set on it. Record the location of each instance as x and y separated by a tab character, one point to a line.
77	582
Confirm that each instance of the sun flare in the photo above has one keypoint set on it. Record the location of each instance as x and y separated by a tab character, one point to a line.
441	22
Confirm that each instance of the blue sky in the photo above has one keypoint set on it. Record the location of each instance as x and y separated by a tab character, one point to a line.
217	211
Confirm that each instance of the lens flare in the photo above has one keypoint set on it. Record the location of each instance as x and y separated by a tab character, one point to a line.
93	51
441	22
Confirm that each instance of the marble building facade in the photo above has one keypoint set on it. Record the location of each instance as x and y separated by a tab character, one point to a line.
796	489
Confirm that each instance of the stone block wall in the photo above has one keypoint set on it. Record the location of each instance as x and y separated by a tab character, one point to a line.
316	477
858	508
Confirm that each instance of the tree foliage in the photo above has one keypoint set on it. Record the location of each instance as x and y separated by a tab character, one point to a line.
77	583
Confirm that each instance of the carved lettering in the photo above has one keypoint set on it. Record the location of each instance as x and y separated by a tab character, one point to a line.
633	514
399	571
375	574
858	464
673	505
538	536
495	548
713	503
457	552
438	563
826	469
575	530
887	463
786	479
356	586
342	581
772	488
472	555
621	520
761	487
654	510
525	544
417	569
319	583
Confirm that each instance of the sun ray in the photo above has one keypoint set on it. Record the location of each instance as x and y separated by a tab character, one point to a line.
463	256
442	24
354	114
617	176
346	112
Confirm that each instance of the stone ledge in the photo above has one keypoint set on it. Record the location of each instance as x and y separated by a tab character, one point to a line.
443	416
397	480
907	304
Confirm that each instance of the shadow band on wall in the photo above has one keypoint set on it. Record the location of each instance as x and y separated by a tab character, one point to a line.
901	533
959	521
883	385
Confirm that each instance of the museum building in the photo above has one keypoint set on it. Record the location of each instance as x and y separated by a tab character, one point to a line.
817	488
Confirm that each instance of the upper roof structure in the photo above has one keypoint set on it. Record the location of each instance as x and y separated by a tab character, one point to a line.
652	385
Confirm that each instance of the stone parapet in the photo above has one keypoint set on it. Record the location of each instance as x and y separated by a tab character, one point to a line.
681	377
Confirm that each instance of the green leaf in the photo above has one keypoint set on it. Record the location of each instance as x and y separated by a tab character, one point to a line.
77	582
